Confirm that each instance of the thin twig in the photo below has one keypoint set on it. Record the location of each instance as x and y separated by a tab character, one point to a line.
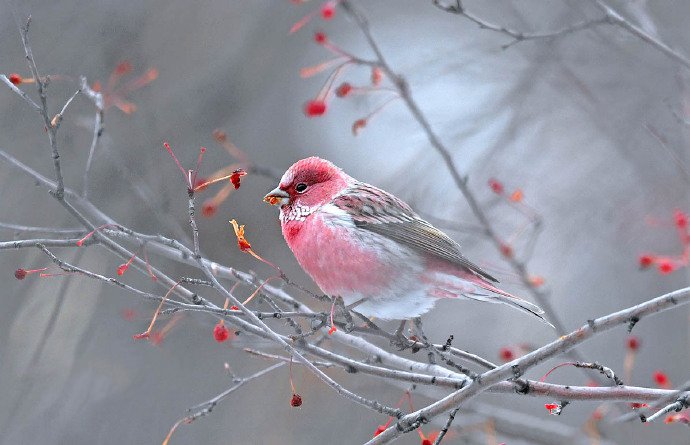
444	431
19	91
517	36
205	408
680	404
51	130
18	244
57	119
35	229
616	18
98	128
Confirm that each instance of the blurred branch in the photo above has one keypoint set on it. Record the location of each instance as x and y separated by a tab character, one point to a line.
662	142
98	128
610	17
517	36
617	19
51	230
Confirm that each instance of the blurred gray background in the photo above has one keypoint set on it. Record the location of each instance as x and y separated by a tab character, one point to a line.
586	125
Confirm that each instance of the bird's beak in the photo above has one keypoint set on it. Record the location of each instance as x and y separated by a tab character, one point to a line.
277	197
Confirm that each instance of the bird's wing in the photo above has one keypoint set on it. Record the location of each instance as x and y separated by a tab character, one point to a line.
380	212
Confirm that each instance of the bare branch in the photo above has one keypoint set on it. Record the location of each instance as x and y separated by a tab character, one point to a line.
41	85
444	431
24	96
18	244
57	119
34	229
680	404
205	408
98	128
616	18
517	367
675	395
517	36
611	17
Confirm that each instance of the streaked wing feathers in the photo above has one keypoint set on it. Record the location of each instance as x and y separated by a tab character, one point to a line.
380	212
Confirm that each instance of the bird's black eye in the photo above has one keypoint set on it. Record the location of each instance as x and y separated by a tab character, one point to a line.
301	187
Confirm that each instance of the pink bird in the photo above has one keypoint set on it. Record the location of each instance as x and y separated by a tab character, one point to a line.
365	245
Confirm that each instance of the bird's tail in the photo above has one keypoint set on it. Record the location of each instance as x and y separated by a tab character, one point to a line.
500	296
511	300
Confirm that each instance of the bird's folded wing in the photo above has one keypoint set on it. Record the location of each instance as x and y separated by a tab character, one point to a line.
380	212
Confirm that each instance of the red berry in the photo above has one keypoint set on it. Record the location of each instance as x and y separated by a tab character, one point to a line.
633	343
376	76
506	250
234	308
123	67
506	354
221	333
646	261
122	269
536	280
379	430
129	314
681	219
328	10
20	274
679	417
199	184
157	338
315	108
320	37
660	378
219	135
296	400
358	125
427	441
666	267
552	407
15	78
235	177
517	195
496	186
209	209
638	405
343	90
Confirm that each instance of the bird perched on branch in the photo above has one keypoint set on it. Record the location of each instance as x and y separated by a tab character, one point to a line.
365	245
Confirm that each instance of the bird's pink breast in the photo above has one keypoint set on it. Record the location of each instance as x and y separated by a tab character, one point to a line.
336	258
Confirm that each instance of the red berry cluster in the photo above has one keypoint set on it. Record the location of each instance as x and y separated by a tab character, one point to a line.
318	106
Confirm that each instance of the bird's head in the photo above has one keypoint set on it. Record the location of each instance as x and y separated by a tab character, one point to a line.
309	182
